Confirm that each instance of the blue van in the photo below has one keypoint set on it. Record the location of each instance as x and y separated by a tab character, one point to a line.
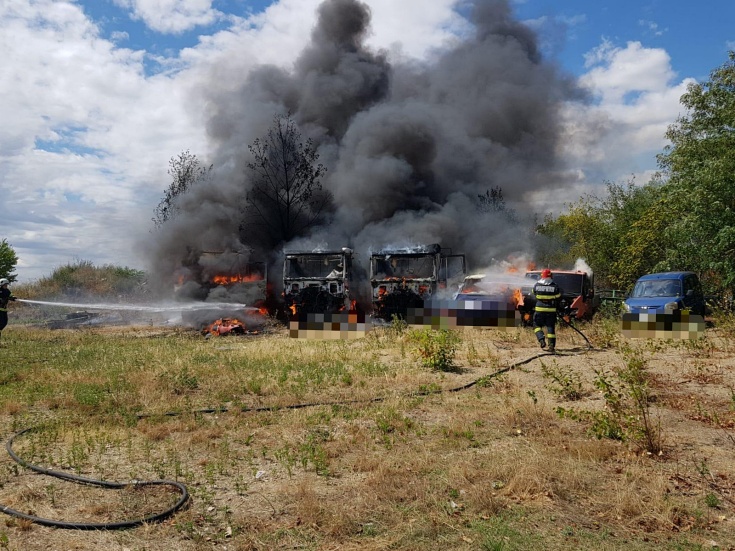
666	292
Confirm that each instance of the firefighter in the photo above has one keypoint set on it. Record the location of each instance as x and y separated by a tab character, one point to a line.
5	296
547	295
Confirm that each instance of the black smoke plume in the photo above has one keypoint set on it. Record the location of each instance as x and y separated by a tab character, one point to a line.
409	146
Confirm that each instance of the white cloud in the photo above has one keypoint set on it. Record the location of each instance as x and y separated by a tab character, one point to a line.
637	97
119	36
415	27
617	71
412	28
172	16
85	138
653	27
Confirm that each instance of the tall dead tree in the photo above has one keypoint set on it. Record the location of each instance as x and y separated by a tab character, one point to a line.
285	197
185	171
493	202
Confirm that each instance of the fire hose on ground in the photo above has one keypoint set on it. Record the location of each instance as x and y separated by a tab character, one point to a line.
93	482
180	487
566	318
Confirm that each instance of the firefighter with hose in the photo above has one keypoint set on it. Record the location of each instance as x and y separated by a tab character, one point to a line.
5	296
547	294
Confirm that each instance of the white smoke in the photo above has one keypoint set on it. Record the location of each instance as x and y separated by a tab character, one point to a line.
581	266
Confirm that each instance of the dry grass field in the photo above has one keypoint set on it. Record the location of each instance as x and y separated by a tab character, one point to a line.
326	445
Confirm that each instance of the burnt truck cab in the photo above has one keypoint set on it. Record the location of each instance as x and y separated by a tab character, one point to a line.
317	282
578	297
404	278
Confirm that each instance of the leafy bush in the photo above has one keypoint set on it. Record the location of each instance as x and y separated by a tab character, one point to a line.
435	348
627	415
565	383
84	278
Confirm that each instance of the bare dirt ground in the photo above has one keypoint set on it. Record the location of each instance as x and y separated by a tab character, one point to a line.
477	458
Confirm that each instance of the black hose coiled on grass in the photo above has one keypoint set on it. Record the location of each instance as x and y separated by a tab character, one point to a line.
93	482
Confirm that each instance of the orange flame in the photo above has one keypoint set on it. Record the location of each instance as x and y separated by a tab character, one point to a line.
293	309
515	264
224	326
238	278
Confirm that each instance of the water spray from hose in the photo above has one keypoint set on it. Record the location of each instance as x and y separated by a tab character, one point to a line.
163	307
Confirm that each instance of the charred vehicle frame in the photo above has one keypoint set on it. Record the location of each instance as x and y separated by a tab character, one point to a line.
404	278
317	282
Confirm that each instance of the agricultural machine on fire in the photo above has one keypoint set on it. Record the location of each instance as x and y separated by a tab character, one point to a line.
317	282
222	277
578	298
215	274
405	278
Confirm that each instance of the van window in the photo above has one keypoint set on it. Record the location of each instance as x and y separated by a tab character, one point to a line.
657	288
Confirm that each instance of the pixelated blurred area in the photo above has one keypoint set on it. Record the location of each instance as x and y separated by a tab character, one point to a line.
679	324
341	326
462	314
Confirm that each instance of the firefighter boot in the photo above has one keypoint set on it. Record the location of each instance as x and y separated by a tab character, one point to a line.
552	346
540	336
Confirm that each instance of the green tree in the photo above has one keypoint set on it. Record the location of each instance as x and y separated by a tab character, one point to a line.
617	234
8	261
185	171
286	197
699	168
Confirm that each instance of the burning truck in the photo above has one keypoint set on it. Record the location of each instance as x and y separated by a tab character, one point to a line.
317	282
578	297
404	278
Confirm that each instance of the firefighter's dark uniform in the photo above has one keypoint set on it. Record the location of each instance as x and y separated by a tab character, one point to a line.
5	296
547	295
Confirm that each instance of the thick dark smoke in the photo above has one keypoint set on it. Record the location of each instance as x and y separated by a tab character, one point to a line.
409	146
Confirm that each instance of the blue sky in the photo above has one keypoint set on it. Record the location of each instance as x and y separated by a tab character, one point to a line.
695	35
98	95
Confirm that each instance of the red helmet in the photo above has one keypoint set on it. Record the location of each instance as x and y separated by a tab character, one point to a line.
545	273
